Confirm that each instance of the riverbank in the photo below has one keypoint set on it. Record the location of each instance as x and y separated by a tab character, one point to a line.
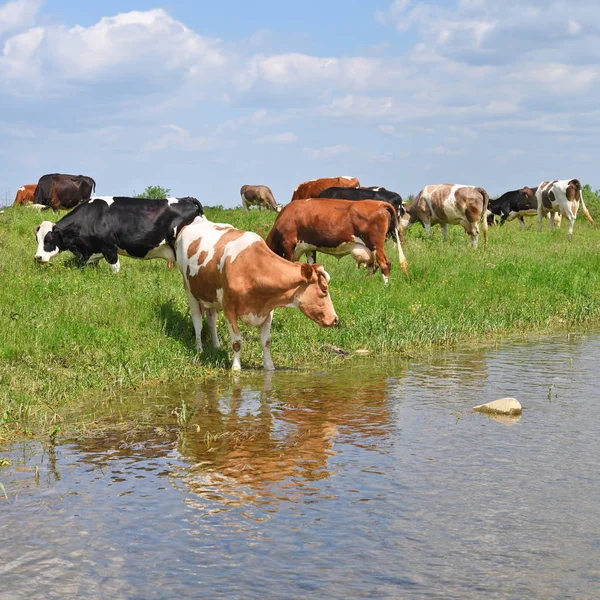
71	335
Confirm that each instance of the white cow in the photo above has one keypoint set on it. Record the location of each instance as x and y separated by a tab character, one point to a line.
561	196
452	204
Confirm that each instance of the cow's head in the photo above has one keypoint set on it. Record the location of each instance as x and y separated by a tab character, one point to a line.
48	242
313	298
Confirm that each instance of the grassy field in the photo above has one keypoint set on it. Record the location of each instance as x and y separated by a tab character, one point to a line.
72	334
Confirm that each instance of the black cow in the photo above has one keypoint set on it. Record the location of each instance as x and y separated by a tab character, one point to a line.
518	203
63	191
108	226
509	206
365	193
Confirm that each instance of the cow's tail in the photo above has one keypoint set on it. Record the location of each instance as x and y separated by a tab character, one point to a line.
586	212
483	217
394	220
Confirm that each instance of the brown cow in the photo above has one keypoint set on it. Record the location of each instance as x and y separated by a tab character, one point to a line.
25	194
449	204
312	188
258	195
339	228
232	270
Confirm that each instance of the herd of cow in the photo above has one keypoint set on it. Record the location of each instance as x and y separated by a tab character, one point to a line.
246	277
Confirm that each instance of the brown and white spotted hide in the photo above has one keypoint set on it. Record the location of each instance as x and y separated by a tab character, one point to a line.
312	188
230	270
560	196
258	195
338	228
449	204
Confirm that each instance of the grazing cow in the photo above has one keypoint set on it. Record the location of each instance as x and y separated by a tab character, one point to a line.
58	191
517	204
232	270
512	205
312	188
449	204
561	196
258	195
25	194
111	225
370	193
339	228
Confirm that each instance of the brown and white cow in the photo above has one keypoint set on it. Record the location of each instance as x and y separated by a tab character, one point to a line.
339	228
452	204
258	195
312	188
560	196
25	194
234	271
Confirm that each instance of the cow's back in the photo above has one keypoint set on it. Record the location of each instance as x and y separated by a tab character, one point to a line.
311	189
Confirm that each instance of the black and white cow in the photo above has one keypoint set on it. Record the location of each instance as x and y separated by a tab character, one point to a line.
111	225
512	205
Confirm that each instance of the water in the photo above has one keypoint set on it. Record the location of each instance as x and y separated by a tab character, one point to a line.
371	480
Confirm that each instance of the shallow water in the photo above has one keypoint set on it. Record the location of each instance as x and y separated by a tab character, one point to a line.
371	479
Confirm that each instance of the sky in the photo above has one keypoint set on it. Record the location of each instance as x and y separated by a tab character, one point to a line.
203	97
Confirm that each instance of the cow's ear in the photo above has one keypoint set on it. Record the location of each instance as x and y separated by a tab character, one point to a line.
322	279
36	230
307	271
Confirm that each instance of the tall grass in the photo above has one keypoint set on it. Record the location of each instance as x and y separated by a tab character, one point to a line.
70	334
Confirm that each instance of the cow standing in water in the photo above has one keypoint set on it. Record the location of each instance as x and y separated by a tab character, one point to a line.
445	204
312	188
560	196
258	195
234	271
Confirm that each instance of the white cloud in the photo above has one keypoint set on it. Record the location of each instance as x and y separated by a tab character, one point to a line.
277	138
386	129
130	46
18	14
178	137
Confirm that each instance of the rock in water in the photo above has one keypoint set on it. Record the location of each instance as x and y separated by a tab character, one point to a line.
504	406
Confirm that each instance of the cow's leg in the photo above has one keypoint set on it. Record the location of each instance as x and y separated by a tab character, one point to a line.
522	221
236	341
551	219
196	311
427	229
444	227
311	257
211	319
265	340
244	203
539	215
472	230
383	262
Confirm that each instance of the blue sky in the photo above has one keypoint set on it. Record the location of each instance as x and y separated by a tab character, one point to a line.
203	97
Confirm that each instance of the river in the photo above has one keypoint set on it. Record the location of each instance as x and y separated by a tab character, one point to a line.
369	479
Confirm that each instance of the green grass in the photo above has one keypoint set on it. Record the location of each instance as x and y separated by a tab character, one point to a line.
71	335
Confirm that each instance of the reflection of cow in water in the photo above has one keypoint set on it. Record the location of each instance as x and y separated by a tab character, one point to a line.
58	191
262	440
